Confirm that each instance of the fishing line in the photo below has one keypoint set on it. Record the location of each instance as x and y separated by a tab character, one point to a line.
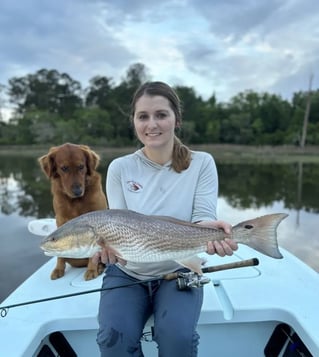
5	309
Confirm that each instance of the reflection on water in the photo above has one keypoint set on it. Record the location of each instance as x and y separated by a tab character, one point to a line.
249	190
246	191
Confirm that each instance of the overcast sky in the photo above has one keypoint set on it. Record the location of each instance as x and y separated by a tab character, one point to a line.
215	46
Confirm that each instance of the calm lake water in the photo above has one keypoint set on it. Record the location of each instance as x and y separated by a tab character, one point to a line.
246	190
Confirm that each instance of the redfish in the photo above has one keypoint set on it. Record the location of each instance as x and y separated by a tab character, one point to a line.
141	238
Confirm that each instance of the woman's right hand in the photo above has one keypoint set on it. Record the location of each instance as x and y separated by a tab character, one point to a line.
107	256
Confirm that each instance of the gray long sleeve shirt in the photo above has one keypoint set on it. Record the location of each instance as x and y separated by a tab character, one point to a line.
136	183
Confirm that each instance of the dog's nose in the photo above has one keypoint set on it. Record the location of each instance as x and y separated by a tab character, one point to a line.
77	191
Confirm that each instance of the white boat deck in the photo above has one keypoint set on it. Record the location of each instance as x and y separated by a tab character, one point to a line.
275	291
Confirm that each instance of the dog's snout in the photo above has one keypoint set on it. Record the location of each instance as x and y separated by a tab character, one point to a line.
77	190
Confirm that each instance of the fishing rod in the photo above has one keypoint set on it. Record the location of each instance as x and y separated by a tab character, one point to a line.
183	281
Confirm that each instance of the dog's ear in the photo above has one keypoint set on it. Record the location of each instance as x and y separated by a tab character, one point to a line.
92	159
47	164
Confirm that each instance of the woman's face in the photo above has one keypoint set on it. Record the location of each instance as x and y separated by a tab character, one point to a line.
154	121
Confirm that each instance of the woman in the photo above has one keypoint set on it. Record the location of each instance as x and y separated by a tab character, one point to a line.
163	178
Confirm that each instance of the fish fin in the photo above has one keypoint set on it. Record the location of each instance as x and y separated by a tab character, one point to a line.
194	263
260	234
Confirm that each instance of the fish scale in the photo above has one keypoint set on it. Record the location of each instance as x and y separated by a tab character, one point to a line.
156	239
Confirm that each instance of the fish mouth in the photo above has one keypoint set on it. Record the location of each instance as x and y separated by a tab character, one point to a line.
82	252
49	254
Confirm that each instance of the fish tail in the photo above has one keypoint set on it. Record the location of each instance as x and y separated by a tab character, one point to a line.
260	234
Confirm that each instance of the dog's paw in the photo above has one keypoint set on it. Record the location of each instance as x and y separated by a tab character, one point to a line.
90	274
100	268
57	273
93	273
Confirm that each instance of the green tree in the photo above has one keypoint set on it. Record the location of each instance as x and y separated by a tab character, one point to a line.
99	93
194	125
121	100
42	125
253	118
50	107
237	122
46	90
96	127
136	74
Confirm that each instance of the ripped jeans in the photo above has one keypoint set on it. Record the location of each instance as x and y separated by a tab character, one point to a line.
123	313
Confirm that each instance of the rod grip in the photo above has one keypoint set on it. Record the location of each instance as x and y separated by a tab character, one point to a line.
212	269
239	264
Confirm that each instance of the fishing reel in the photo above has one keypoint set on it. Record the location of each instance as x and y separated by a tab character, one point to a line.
189	280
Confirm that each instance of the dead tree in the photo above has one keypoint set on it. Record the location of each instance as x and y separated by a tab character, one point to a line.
306	117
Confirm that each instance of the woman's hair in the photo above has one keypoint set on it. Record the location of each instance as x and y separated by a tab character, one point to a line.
181	156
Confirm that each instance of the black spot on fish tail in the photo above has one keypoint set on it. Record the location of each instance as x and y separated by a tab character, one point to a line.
260	233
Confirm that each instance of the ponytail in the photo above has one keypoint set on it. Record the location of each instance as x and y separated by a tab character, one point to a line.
181	157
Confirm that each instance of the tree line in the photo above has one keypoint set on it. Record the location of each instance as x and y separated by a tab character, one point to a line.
50	107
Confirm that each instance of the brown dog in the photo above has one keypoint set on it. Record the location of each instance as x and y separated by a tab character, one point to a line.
76	188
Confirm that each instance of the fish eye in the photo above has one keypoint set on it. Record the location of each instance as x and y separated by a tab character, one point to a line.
248	226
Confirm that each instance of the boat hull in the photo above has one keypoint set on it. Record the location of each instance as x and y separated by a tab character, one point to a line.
241	309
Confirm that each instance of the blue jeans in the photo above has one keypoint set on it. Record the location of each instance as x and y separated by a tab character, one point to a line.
123	313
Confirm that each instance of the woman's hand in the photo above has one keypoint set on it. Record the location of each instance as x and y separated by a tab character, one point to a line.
107	256
222	247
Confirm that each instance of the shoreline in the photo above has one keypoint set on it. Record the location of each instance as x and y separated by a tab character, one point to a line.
231	152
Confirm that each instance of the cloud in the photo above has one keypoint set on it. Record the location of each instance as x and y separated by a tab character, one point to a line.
221	47
70	39
263	46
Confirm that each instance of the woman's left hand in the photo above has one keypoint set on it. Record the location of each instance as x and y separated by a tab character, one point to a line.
220	247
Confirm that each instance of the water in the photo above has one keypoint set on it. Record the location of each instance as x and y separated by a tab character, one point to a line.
246	191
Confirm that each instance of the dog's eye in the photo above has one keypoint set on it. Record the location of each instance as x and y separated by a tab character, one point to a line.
64	168
81	167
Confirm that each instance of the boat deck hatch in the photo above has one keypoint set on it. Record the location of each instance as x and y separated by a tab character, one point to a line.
286	343
60	345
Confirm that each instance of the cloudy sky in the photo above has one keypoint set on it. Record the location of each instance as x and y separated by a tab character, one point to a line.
221	46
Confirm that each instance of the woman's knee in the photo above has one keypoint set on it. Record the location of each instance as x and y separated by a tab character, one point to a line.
114	342
109	337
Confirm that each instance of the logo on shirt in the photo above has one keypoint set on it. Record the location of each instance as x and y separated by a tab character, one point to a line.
134	186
